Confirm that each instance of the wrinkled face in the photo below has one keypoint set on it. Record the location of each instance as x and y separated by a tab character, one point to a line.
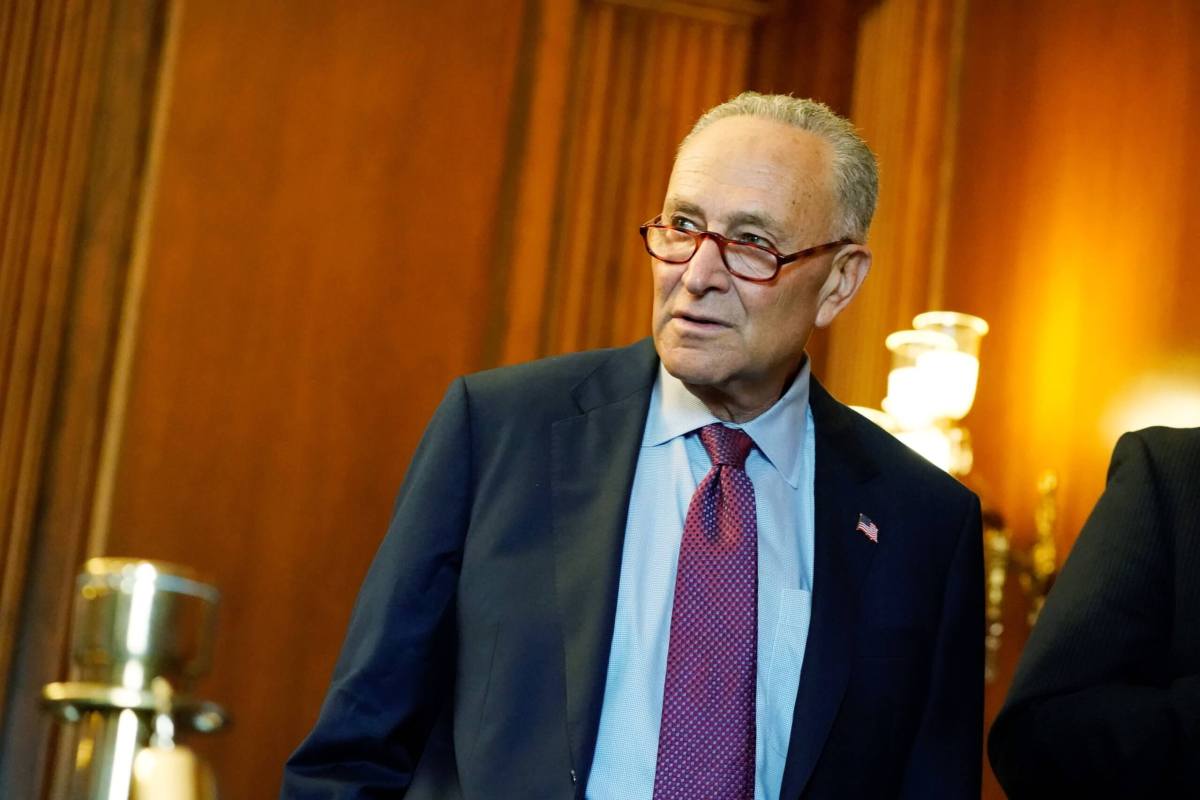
759	181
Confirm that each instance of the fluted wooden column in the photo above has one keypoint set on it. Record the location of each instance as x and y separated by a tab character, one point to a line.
80	96
643	72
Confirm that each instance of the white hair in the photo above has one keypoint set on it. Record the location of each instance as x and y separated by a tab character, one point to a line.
855	170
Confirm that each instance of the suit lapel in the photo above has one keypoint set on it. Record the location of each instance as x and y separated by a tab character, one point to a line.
841	559
593	458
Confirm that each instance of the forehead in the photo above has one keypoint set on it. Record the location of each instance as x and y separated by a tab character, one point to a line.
745	164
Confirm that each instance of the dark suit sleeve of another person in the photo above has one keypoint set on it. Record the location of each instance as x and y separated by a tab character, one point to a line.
391	685
1106	699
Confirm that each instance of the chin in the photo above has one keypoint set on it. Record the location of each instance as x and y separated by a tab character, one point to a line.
694	369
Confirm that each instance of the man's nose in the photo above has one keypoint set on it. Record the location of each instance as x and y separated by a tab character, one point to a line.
706	270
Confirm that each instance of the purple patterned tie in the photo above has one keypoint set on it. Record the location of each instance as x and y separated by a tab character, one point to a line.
706	743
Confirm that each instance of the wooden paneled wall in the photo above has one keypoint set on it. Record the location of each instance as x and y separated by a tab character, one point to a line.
643	77
318	273
639	82
809	49
1037	164
81	96
640	75
1073	224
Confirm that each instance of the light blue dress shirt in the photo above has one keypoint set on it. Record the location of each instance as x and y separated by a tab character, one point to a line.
671	462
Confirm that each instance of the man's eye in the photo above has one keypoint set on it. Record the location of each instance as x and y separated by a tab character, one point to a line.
754	238
677	221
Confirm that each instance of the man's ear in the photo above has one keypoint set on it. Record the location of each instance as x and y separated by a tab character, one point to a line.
850	268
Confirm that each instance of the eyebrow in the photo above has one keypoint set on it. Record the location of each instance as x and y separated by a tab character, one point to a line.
764	221
758	219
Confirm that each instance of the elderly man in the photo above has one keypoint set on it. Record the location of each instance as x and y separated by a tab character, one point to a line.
678	569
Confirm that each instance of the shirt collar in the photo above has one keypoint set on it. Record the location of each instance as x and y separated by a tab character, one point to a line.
778	432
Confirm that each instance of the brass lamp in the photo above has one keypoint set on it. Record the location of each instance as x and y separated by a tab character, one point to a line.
142	635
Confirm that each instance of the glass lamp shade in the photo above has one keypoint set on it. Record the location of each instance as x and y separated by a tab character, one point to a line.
916	394
952	375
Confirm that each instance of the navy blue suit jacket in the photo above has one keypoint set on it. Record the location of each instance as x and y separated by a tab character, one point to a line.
474	665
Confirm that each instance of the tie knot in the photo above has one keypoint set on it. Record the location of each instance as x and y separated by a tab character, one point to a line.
726	446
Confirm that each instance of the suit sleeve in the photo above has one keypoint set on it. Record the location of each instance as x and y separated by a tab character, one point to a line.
393	677
1091	711
945	761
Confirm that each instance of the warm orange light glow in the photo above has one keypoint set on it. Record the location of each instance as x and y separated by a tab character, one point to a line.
1168	397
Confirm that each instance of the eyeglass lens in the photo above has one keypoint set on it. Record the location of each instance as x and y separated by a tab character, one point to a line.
677	246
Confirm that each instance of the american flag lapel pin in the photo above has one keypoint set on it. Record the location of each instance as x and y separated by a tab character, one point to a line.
869	529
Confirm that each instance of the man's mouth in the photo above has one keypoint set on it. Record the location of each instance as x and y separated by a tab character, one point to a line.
699	319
